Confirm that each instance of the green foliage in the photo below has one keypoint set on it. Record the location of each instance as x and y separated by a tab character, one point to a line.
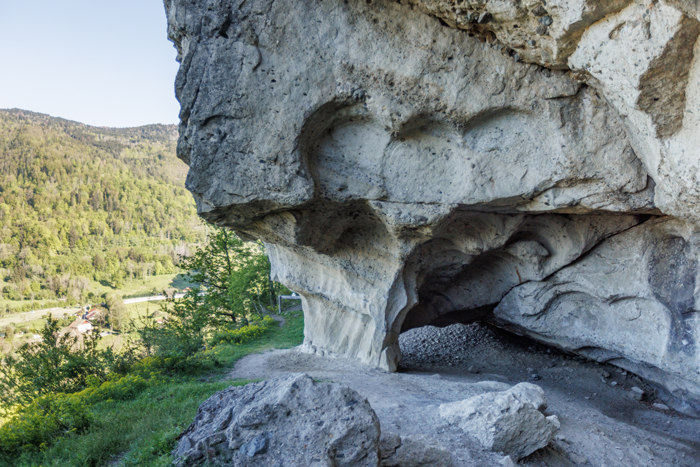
116	311
36	425
9	332
250	289
80	203
57	363
141	431
183	333
11	292
121	389
242	334
138	417
235	277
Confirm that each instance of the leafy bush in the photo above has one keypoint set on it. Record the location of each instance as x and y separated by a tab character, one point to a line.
10	292
235	275
182	334
121	389
55	364
242	334
37	424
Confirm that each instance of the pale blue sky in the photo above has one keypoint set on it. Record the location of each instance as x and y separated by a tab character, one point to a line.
100	62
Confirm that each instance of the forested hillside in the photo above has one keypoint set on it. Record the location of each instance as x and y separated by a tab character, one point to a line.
81	205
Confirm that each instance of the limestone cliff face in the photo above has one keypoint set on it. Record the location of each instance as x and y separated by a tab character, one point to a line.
433	161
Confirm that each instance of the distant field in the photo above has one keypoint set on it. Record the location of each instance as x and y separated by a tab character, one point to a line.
137	312
153	286
33	322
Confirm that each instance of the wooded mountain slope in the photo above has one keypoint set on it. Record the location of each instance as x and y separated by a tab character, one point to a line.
81	203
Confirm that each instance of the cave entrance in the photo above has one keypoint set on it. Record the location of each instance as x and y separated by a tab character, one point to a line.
460	343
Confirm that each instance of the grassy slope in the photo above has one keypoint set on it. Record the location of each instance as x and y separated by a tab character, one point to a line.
142	432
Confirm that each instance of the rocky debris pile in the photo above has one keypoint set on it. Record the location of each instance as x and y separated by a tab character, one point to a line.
429	346
509	422
286	421
412	451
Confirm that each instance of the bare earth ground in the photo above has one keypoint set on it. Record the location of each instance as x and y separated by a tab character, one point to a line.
601	424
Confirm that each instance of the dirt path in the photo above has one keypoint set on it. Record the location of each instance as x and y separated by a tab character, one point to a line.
602	424
279	319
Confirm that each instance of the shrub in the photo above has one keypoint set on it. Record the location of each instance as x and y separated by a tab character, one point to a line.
9	332
242	334
154	367
36	425
54	364
11	292
50	416
182	334
121	389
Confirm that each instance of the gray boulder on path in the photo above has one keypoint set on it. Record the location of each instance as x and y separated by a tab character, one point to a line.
286	421
509	422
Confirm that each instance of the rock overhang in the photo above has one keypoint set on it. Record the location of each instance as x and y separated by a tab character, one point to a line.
401	170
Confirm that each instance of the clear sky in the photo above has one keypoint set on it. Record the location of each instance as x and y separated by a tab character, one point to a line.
100	62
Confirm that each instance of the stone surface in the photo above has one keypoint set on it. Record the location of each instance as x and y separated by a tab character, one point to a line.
544	32
285	421
508	422
427	161
644	61
597	420
412	451
653	295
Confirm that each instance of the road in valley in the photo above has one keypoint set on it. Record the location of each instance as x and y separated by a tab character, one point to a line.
128	301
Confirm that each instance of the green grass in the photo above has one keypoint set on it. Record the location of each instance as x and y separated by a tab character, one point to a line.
142	432
135	311
140	287
292	334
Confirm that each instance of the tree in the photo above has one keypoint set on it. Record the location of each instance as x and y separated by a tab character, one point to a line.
98	262
113	180
116	311
72	237
250	288
182	334
9	332
235	277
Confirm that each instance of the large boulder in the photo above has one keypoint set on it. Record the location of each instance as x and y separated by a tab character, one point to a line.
416	162
286	421
509	422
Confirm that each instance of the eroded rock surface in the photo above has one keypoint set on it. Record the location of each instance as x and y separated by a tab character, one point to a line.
431	161
509	422
652	298
285	421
